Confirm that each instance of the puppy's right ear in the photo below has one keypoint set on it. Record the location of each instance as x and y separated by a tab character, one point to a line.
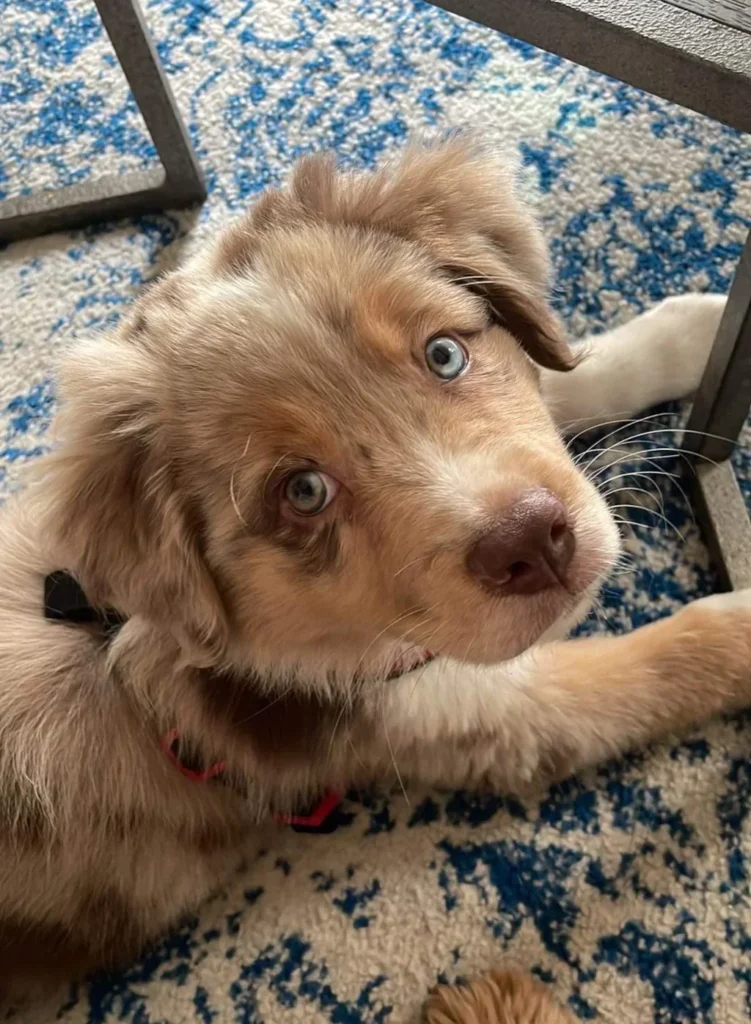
120	515
513	304
458	201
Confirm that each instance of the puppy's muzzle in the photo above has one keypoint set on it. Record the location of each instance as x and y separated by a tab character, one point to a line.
528	549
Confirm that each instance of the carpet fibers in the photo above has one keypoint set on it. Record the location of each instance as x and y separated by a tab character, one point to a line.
627	889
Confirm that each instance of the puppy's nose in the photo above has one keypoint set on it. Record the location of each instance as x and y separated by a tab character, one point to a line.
529	549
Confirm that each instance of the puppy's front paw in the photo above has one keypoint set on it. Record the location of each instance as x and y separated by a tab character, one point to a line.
730	603
715	638
685	327
500	997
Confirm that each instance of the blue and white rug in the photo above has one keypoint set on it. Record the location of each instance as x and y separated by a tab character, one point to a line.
627	890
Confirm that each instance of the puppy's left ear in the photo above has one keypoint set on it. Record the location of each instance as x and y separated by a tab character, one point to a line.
120	515
515	305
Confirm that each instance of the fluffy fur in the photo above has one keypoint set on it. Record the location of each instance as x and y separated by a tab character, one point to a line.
297	341
499	997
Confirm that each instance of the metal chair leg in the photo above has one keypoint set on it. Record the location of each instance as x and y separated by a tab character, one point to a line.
720	409
177	183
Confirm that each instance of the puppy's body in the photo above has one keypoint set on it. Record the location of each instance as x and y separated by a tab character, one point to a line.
287	366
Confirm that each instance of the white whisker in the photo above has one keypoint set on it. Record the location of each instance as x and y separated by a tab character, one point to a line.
408	565
612	433
653	512
232	496
391	752
627	421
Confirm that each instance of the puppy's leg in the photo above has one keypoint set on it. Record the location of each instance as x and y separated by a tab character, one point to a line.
500	997
656	357
562	706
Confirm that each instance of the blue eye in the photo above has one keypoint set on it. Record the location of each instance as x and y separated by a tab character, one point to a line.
309	492
445	357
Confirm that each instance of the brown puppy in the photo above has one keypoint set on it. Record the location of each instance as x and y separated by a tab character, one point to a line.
318	450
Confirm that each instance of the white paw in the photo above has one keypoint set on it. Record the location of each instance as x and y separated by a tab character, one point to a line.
684	328
732	601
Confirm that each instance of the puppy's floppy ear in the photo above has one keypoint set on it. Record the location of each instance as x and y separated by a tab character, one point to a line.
458	201
121	516
513	305
464	208
454	200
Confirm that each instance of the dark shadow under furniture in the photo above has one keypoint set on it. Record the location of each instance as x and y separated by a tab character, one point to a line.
696	53
178	182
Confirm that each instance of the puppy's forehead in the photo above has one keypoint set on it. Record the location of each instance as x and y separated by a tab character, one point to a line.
366	293
317	347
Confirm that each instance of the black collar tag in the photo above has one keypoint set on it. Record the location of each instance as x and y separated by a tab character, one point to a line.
65	601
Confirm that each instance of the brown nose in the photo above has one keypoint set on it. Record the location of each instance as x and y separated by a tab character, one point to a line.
529	548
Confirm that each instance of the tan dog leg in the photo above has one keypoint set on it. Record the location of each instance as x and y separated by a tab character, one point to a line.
501	997
561	706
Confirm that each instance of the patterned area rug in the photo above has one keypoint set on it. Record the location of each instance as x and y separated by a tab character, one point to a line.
628	889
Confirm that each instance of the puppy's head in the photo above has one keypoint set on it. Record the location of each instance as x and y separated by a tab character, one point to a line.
322	442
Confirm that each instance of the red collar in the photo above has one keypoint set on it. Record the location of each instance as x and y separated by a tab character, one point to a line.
313	821
331	800
170	743
66	601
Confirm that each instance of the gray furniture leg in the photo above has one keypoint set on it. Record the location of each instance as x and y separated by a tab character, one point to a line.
719	411
663	49
177	183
